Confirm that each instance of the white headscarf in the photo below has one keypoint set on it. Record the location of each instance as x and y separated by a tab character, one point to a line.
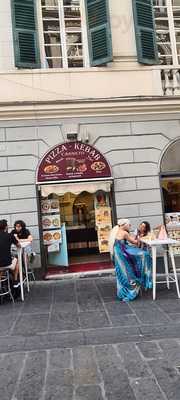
114	231
124	221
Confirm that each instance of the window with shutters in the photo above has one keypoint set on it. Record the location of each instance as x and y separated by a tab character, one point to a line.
145	31
167	23
61	33
74	33
99	31
25	33
63	36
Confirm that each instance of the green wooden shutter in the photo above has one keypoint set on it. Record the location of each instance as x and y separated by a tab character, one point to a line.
99	31
145	31
25	34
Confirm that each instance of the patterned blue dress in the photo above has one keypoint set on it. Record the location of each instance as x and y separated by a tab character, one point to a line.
133	268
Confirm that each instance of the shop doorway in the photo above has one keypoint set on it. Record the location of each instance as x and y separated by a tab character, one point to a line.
170	189
76	230
76	212
79	213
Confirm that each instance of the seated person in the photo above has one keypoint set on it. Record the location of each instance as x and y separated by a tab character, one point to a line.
143	229
22	234
6	260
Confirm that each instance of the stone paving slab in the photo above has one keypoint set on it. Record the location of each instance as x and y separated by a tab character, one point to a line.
89	392
61	321
147	389
132	361
73	340
94	319
167	377
29	325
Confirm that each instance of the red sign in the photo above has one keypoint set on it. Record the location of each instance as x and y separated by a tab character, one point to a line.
72	160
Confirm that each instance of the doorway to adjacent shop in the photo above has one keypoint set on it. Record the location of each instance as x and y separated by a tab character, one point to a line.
170	189
76	212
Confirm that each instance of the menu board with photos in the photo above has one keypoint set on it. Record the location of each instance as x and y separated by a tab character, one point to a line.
49	206
103	238
104	225
175	234
50	237
173	228
51	222
103	216
53	248
101	199
172	219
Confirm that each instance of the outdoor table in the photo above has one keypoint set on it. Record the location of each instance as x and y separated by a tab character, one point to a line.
154	244
22	256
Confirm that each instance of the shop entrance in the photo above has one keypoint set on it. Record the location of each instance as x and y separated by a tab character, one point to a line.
76	229
79	215
76	215
170	186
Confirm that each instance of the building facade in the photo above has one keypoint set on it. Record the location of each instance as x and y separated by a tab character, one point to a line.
103	72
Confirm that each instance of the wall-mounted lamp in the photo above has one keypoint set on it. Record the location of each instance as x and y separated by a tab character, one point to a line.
72	136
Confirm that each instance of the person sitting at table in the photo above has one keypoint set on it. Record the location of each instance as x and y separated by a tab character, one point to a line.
143	230
6	260
22	234
133	265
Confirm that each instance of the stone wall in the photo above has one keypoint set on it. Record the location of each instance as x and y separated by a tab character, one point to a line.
133	149
21	147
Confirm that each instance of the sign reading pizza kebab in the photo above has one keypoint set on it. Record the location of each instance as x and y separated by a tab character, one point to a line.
72	160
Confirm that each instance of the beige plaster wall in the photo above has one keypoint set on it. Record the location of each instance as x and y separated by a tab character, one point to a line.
47	85
123	77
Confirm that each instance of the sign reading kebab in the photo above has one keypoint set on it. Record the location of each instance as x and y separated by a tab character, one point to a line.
72	160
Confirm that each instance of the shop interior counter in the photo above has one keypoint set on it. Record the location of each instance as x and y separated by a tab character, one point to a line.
81	237
72	228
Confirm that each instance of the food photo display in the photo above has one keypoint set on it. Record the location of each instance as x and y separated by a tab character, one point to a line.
49	237
51	221
50	206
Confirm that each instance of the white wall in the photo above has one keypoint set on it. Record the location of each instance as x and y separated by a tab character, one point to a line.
48	85
123	35
124	77
6	39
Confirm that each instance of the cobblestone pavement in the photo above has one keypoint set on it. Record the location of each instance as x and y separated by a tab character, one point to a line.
73	340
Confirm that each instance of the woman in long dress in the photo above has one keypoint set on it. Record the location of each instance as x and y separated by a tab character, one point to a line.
133	265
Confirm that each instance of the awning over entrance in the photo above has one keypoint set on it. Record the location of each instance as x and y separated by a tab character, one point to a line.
76	188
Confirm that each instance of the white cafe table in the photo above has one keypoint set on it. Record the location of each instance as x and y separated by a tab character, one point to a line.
154	244
21	251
